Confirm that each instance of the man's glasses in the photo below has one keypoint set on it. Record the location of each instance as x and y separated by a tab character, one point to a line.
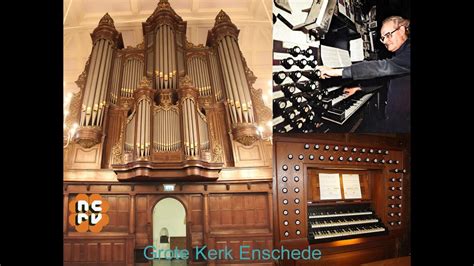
388	35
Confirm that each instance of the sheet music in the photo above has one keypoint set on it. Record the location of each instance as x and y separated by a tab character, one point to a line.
351	185
357	49
335	57
329	186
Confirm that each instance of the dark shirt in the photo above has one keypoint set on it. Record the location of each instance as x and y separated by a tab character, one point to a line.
397	69
397	65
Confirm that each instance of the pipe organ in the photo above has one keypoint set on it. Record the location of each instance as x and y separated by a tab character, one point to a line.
306	35
167	100
166	138
342	193
223	38
168	119
165	58
94	83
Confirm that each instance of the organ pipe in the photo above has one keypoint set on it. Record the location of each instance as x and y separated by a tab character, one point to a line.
105	40
198	70
247	103
191	139
96	84
143	141
203	132
133	71
223	38
130	133
165	61
216	77
115	79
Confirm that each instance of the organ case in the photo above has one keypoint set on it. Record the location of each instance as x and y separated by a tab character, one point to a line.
165	108
376	221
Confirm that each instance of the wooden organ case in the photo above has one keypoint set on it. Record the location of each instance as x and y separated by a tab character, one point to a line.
168	111
349	229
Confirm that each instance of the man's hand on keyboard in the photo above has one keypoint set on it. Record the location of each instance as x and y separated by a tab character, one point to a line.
349	91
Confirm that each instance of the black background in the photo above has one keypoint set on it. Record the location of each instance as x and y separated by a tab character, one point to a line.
32	173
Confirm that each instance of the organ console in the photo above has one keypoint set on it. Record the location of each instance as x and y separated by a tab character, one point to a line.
344	202
303	39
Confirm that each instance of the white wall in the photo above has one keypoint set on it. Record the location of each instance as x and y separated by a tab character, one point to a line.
171	214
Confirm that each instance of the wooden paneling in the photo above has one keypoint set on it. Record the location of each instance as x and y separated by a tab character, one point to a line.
247	245
81	158
98	251
239	214
238	211
249	156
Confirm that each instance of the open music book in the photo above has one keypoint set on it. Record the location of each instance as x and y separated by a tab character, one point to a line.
330	186
335	57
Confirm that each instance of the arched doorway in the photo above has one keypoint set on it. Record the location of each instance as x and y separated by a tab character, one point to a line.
169	230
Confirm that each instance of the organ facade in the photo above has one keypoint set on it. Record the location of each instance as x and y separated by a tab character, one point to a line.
168	111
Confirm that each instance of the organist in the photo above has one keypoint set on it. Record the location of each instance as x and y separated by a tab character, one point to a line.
395	37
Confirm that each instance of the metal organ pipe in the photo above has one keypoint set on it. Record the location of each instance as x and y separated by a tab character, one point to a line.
167	131
129	138
173	62
195	129
165	52
96	84
94	69
103	93
186	129
190	127
158	58
230	93
133	66
215	77
238	91
160	136
243	79
201	74
194	75
133	71
143	128
236	78
85	111
206	77
115	79
124	82
203	132
176	133
233	86
149	55
193	72
138	130
170	59
147	128
201	77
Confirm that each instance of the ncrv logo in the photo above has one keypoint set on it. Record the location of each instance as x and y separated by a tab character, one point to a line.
88	213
